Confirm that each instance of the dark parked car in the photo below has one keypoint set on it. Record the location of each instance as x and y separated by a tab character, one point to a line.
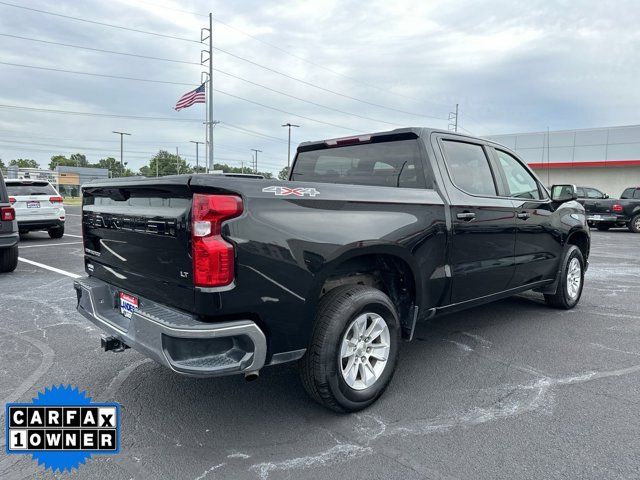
610	212
212	276
590	192
8	231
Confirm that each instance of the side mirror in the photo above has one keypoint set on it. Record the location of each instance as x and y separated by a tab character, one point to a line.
564	193
605	195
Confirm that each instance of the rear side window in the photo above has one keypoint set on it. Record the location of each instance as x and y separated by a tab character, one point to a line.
636	194
593	193
628	193
35	188
580	192
384	164
469	167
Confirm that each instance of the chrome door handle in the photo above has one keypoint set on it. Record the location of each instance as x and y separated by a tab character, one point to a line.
523	215
466	216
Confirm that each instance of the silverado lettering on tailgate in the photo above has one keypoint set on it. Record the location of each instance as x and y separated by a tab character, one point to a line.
130	223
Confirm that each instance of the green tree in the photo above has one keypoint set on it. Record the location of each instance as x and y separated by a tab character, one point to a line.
165	163
228	169
59	160
79	160
24	163
114	167
284	173
2	166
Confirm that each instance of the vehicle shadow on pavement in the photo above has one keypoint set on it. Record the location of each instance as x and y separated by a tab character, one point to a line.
230	412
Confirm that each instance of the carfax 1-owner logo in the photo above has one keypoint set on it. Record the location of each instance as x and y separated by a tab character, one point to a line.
61	428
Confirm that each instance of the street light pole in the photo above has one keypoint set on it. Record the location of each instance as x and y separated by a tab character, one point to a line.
197	158
121	149
289	144
256	152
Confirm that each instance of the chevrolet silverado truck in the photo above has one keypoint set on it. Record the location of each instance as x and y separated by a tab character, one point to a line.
606	213
333	268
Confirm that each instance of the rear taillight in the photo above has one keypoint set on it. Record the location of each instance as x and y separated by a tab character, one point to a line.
55	199
7	214
12	200
617	208
213	257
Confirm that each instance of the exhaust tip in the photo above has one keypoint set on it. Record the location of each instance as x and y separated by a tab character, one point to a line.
251	376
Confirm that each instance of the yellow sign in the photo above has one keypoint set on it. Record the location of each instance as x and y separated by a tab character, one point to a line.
68	179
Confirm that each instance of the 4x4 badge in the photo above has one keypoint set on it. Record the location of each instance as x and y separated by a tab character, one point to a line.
286	191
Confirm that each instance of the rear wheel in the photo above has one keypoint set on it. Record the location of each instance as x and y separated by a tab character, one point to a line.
571	281
634	224
354	348
603	227
9	259
56	232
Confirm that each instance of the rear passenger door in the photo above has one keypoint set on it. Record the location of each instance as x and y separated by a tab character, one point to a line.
483	240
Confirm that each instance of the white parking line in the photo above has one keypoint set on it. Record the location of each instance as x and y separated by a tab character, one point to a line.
49	244
73	215
69	235
48	267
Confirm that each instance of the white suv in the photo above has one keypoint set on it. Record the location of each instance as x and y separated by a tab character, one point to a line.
38	206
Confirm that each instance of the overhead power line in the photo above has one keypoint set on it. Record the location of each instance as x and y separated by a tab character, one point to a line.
134	117
120	77
276	109
280	49
94	114
148	57
102	24
273	70
19	37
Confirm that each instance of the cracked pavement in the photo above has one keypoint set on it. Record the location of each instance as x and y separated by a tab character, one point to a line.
508	390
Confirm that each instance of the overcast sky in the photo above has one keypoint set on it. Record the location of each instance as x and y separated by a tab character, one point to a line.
513	66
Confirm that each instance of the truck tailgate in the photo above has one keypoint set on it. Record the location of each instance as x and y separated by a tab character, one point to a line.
137	237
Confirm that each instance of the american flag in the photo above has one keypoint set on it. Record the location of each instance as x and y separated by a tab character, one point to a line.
189	98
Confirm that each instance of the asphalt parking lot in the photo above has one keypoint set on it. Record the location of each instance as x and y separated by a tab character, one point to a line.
509	390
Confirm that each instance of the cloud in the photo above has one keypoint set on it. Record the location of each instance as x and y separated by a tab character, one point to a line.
511	65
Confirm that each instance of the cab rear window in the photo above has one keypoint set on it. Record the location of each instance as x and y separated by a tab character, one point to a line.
35	188
384	164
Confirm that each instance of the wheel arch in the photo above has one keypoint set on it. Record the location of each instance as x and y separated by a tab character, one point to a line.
582	240
387	267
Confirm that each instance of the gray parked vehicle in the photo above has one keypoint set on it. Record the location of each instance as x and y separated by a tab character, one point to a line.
8	232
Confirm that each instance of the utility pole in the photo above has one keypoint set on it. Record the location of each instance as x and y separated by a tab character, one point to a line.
289	144
255	165
453	120
197	158
177	162
122	134
210	122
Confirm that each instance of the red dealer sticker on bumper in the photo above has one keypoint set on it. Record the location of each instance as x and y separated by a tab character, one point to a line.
128	303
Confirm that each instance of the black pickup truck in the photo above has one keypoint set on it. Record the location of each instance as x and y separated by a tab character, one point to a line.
606	213
371	234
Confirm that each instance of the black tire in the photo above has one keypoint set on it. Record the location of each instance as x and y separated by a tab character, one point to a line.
56	232
562	298
9	259
603	227
634	224
320	368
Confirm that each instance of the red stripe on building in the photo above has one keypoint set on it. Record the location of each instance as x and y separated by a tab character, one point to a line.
599	163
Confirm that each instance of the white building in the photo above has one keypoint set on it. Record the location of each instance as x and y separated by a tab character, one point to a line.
605	158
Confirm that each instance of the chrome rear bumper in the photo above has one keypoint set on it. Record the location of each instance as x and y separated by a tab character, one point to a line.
173	338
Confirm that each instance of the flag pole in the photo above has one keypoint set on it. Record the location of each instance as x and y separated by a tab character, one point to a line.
210	120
